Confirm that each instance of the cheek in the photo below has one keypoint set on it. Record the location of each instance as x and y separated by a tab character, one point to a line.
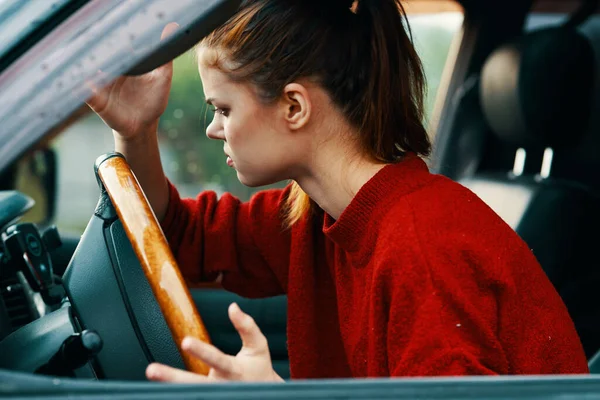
243	127
236	131
231	128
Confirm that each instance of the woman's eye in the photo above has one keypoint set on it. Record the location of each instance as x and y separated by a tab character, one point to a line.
223	111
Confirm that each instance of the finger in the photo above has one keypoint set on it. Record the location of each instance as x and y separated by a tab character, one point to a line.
99	89
163	373
213	357
98	100
101	80
98	97
168	30
252	337
92	84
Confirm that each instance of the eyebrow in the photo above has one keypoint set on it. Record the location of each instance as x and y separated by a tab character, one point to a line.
210	100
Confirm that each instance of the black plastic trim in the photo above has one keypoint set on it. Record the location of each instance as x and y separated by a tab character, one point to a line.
99	161
98	304
108	238
104	209
34	344
497	388
13	204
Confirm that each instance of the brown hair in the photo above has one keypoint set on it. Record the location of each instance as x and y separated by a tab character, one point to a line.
360	52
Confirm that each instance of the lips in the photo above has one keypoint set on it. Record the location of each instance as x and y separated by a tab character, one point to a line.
229	160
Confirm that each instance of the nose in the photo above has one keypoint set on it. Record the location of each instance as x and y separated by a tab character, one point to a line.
215	130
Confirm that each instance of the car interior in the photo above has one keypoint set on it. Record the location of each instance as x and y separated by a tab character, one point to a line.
516	120
536	99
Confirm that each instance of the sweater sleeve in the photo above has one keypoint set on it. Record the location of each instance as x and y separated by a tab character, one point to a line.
245	244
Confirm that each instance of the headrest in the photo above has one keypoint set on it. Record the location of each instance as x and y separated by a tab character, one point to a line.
538	91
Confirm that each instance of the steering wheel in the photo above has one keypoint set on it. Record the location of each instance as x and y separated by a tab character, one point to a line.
126	303
154	254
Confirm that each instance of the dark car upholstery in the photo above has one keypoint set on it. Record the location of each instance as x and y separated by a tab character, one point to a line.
535	96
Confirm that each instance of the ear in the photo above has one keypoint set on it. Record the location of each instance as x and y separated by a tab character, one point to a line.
298	107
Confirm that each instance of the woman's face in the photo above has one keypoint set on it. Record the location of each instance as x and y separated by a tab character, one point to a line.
255	139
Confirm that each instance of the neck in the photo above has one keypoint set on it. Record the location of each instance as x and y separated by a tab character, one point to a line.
335	176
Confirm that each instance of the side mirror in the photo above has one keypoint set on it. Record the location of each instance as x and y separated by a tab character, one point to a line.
36	175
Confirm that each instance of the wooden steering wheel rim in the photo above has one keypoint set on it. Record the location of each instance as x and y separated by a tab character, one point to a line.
153	251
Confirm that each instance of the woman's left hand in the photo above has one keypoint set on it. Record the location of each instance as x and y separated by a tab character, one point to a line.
252	363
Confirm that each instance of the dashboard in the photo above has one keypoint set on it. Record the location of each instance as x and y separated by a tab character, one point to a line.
98	320
35	314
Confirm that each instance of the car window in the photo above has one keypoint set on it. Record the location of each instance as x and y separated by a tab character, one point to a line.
433	35
590	28
192	161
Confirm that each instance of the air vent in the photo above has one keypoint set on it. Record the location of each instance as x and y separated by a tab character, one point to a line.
16	303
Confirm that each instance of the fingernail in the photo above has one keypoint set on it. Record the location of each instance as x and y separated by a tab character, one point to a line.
186	343
152	372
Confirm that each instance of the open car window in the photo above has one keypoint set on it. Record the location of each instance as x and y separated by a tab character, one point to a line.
434	33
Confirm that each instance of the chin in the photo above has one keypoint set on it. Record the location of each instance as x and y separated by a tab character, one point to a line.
254	181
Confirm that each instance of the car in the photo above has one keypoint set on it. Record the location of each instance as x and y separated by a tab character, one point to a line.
512	108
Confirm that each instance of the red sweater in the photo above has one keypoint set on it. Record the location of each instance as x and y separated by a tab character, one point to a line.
417	277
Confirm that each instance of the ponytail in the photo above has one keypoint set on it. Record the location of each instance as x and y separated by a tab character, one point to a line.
393	100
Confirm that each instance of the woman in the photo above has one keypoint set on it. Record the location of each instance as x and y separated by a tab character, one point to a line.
389	270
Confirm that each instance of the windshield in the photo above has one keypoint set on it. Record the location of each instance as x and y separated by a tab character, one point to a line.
18	18
101	41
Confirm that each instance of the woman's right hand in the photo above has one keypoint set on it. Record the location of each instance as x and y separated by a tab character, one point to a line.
132	105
